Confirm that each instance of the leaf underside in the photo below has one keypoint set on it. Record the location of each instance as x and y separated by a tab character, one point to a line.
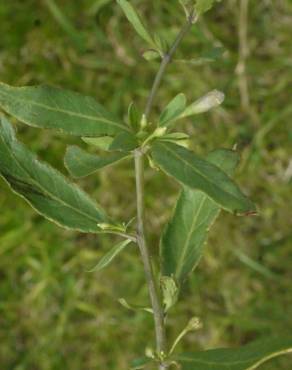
44	188
54	108
184	237
248	357
197	173
80	163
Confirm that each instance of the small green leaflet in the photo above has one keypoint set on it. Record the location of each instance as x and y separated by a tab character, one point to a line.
173	110
197	173
202	6
110	256
54	108
134	307
80	163
170	292
135	20
183	240
44	188
134	117
248	357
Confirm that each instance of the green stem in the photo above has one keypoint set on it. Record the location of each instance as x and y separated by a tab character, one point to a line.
164	63
144	250
158	312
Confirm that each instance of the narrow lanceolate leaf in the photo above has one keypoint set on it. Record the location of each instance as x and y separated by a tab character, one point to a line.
248	357
110	256
80	163
136	21
173	110
183	240
53	108
47	190
197	173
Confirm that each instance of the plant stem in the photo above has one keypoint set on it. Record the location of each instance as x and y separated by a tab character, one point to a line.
142	243
158	312
164	63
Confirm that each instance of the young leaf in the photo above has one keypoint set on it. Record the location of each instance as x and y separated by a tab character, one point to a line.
209	101
136	22
103	142
124	142
183	240
248	357
50	107
202	6
178	138
134	117
80	163
173	110
151	54
44	188
197	173
170	292
110	256
134	307
140	363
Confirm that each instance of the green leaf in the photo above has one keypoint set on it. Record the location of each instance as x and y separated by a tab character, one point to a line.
134	307
80	163
202	6
248	357
183	240
134	117
135	20
151	54
178	138
110	256
209	101
197	173
140	363
44	188
124	142
103	142
170	292
173	110
50	107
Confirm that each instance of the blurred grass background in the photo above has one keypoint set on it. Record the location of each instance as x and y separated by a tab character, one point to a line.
53	314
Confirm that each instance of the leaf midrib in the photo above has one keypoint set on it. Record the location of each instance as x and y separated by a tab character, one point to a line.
259	361
191	230
70	113
52	196
200	174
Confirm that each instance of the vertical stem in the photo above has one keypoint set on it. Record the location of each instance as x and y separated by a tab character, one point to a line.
158	313
142	243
